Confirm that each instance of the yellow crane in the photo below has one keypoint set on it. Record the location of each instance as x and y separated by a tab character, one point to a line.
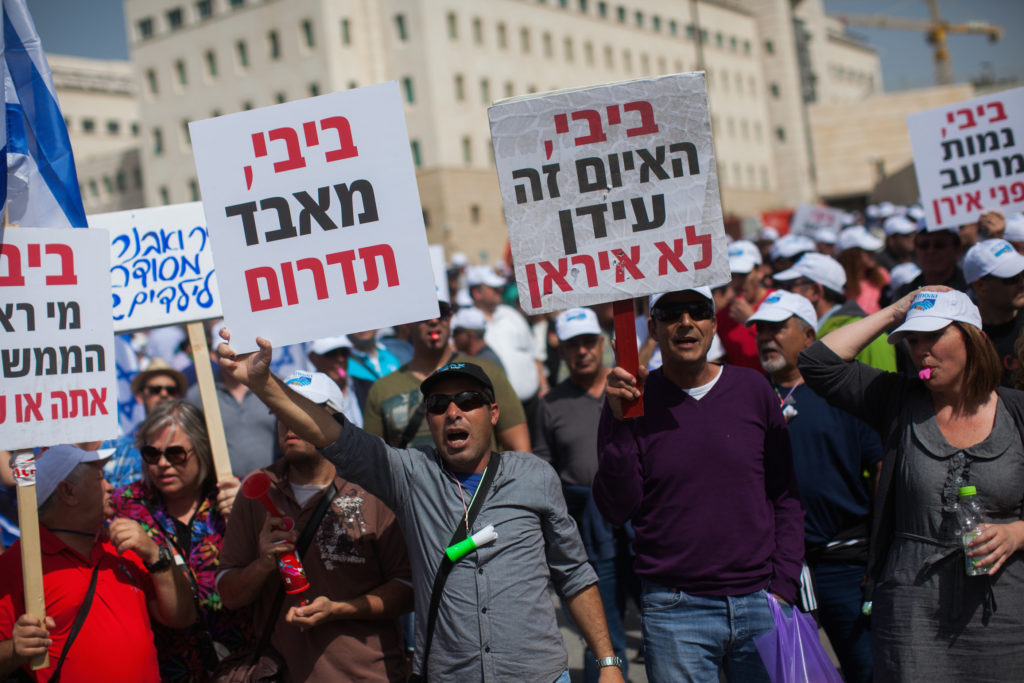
936	30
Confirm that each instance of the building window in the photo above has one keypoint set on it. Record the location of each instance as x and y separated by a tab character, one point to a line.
774	87
746	47
502	36
673	27
314	89
588	53
733	46
656	22
524	40
113	127
88	126
211	63
467	150
627	61
453	28
645	64
691	31
145	27
273	45
510	88
474	214
151	81
547	45
478	31
135	129
204	8
620	13
426	219
568	50
400	29
460	89
187	136
602	10
410	95
719	40
280	98
193	188
414	146
485	91
94	187
769	47
165	196
119	180
247	105
662	65
137	177
236	4
638	17
175	19
780	133
242	50
108	184
583	6
179	69
346	35
609	57
352	85
307	33
158	142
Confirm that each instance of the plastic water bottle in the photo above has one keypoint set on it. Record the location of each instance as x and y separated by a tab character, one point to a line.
969	516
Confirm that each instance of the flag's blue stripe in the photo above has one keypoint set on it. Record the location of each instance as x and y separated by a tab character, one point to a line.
46	136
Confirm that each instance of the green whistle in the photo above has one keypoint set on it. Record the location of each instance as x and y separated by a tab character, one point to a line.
462	548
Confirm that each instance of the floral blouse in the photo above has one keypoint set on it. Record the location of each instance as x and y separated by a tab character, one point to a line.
190	654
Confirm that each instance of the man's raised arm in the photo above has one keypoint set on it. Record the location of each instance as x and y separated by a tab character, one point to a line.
308	420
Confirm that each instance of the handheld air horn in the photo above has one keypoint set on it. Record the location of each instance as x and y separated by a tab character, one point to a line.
256	486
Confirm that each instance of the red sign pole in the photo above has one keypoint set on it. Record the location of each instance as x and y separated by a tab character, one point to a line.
626	354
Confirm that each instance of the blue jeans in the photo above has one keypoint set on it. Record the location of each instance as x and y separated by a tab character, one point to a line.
839	602
690	637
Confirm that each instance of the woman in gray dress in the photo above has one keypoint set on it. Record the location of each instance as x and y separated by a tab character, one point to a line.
950	426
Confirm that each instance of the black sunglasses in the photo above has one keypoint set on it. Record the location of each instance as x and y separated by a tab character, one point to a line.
175	455
155	389
437	404
671	312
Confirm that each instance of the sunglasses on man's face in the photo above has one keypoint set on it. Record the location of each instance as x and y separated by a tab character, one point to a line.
465	401
157	389
176	455
671	312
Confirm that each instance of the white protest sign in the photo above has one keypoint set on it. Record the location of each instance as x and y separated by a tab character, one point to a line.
610	192
161	266
314	217
967	159
808	218
56	338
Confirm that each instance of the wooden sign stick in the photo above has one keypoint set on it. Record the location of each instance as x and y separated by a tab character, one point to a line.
23	465
626	355
208	393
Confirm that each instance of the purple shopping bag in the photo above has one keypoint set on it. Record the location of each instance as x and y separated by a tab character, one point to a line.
792	652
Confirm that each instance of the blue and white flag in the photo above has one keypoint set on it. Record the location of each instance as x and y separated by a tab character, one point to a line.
39	182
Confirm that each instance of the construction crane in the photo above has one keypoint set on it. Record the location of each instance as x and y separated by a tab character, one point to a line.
936	30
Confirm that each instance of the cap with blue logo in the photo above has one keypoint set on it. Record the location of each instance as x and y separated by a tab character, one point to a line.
932	311
317	387
781	305
992	257
468	370
576	321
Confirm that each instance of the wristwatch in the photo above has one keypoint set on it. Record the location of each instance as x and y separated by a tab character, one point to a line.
163	562
609	661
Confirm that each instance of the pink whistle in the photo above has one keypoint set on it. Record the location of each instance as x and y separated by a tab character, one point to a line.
256	486
926	373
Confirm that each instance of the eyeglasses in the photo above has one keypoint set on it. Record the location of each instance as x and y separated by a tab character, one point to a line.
437	404
671	312
157	389
176	455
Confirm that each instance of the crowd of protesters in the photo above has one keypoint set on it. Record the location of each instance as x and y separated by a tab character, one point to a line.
806	429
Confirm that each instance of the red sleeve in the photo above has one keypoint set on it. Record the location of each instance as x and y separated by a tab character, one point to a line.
12	599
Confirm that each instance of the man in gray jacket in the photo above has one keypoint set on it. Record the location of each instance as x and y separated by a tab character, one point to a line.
494	620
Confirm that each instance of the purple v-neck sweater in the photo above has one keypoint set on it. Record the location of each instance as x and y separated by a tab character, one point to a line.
708	485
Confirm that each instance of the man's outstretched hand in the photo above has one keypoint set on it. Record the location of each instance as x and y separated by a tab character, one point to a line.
251	369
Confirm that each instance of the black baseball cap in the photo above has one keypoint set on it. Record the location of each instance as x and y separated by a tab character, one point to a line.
470	370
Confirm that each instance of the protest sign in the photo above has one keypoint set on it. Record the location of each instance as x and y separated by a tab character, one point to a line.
610	192
56	338
161	266
808	218
314	217
967	159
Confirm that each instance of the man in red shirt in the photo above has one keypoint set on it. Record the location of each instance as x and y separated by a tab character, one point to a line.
134	579
749	291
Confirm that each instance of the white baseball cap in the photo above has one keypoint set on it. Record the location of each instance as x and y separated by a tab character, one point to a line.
484	275
317	387
824	270
469	318
899	225
992	257
915	212
825	236
576	321
55	464
1014	228
459	260
767	234
857	237
744	256
932	311
327	344
703	291
781	305
789	246
902	274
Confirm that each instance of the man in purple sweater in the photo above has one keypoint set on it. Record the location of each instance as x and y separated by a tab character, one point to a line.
706	477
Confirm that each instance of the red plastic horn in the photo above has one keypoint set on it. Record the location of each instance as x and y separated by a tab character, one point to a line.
257	486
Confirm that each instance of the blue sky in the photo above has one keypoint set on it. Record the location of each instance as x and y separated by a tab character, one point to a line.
95	28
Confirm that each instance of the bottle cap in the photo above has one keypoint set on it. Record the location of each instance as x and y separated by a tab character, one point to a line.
968	491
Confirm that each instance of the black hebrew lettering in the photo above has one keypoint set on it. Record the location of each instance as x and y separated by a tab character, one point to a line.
284	217
345	194
643	222
248	213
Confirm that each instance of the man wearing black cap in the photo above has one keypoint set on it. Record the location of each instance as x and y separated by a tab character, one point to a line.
494	620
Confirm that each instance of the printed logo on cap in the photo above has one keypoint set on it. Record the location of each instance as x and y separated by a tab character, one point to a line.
451	366
924	301
576	316
301	381
1002	250
774	298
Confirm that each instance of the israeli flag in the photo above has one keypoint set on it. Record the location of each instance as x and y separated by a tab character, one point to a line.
39	183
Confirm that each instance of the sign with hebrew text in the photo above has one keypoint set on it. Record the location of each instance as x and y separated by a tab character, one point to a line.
314	217
161	266
969	158
610	192
57	378
809	218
